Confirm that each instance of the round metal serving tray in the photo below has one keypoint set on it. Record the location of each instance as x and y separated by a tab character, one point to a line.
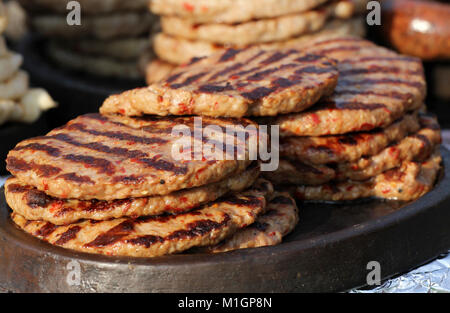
329	251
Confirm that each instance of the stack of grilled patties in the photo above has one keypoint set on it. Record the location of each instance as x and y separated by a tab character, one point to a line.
350	114
201	28
112	185
109	41
371	138
18	102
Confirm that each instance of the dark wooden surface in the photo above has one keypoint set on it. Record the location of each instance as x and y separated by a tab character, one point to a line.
329	251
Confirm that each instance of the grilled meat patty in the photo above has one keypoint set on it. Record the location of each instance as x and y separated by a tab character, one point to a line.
34	204
235	83
155	235
408	182
376	87
349	147
279	219
114	157
415	147
177	50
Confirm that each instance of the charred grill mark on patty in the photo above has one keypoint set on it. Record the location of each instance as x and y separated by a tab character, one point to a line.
193	230
128	179
350	105
329	51
350	140
335	40
215	88
390	94
262	227
16	188
63	211
68	235
258	76
174	77
196	60
226	70
427	145
380	58
308	58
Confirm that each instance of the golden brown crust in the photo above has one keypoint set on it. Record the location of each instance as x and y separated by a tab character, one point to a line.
154	235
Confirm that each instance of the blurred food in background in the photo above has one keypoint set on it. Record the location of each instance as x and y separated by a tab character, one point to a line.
201	28
112	37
